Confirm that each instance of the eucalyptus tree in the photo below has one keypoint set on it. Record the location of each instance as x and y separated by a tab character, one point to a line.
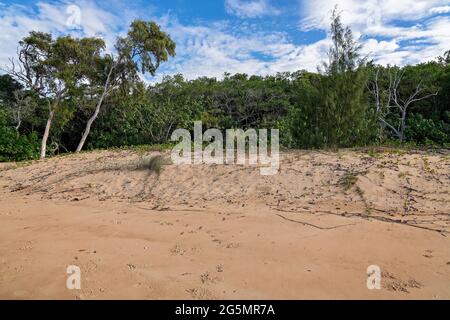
144	48
54	69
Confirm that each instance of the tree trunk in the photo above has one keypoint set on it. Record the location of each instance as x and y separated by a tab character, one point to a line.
46	134
403	126
91	120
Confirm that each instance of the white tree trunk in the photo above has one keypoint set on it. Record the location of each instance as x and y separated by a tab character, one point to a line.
403	126
91	120
46	134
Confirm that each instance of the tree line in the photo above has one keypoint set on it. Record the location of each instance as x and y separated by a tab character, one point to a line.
67	94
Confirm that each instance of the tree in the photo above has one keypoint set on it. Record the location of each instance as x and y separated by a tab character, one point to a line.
342	113
393	98
53	69
22	106
344	53
142	50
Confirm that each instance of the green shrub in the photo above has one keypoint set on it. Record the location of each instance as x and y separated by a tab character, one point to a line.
427	131
14	147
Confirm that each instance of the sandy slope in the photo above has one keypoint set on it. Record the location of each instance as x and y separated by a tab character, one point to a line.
207	232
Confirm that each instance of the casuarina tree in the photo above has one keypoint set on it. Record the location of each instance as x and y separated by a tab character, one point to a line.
144	48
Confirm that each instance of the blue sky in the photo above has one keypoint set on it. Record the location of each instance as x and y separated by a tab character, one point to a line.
251	36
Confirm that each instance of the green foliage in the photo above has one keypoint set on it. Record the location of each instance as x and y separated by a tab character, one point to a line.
16	147
7	88
145	46
427	131
344	116
334	111
344	53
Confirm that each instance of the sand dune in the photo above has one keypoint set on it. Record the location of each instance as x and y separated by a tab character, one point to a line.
225	231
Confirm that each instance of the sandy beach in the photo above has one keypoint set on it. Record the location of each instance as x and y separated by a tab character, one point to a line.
225	231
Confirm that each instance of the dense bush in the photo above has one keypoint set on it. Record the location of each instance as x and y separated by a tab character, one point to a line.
426	131
14	146
311	111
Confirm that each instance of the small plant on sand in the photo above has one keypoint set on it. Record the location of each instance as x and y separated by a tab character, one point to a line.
426	166
348	180
367	208
403	174
153	163
374	152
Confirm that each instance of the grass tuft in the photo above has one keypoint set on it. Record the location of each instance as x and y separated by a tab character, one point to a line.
153	163
348	180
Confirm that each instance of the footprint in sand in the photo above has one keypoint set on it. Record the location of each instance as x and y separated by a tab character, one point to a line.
177	250
428	254
200	293
207	278
232	245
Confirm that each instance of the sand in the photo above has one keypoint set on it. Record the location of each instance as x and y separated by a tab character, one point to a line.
225	231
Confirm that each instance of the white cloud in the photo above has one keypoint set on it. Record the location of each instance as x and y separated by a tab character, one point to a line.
211	50
412	30
250	8
360	14
16	21
440	10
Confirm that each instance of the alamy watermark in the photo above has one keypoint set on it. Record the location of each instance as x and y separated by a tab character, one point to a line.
373	277
73	20
241	147
73	281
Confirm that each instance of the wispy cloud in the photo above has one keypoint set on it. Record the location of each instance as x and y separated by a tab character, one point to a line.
211	50
250	8
16	21
391	31
394	31
361	14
